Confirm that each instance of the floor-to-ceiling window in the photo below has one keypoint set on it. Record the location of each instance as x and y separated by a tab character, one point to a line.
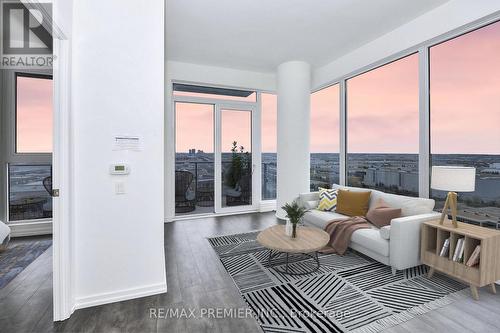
29	167
465	117
324	137
383	127
269	110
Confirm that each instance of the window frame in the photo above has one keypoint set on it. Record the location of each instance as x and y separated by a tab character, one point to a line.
423	50
13	143
12	157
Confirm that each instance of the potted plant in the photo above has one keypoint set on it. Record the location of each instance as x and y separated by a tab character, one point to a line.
240	161
294	212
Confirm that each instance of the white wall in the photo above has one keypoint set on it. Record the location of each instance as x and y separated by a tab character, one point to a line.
445	18
209	75
118	88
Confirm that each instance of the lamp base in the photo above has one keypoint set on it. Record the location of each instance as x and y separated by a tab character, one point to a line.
451	204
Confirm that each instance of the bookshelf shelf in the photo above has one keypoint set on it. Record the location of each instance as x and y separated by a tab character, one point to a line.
461	243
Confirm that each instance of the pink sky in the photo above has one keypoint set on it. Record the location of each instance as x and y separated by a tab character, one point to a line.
465	90
382	106
236	126
382	109
34	115
269	121
194	127
325	120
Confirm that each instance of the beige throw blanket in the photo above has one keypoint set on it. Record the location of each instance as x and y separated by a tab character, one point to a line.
340	232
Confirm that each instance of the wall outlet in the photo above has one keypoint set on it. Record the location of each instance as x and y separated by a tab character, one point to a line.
119	188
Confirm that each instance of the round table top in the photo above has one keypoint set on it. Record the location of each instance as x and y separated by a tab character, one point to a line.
309	239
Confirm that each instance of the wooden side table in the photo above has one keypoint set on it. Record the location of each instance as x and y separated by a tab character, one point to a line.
480	275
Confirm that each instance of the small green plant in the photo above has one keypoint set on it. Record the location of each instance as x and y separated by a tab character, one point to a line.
295	213
240	162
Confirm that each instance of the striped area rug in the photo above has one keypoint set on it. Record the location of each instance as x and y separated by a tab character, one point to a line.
349	293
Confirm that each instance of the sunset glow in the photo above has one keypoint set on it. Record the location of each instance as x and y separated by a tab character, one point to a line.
269	122
465	90
34	115
194	127
325	128
236	126
382	109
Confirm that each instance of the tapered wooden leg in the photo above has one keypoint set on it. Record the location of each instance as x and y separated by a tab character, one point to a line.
454	208
493	289
474	292
430	273
445	209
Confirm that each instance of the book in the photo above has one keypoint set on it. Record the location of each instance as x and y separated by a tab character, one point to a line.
458	249
461	252
474	257
446	248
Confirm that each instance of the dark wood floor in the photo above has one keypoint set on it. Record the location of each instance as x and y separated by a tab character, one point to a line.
195	279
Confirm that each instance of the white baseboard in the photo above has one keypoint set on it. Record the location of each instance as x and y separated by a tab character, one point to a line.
30	228
121	295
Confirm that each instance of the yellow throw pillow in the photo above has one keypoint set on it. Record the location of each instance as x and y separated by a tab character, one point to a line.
353	203
327	199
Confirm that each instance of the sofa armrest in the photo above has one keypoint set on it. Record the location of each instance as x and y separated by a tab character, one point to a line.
304	198
404	245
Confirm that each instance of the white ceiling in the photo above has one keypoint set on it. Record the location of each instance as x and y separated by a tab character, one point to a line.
260	34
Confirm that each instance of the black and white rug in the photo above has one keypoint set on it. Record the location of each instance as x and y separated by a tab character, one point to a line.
350	293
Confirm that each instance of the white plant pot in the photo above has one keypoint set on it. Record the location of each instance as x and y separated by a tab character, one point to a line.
288	228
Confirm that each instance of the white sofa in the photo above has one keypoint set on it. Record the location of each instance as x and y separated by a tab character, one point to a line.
396	245
4	235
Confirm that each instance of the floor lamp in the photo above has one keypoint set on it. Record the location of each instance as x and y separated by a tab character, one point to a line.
452	179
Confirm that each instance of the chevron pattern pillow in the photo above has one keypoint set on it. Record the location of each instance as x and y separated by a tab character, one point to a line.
327	199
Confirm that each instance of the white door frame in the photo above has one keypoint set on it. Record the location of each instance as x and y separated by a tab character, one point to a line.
62	236
255	142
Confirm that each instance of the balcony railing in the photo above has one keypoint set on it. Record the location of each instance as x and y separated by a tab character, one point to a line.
200	191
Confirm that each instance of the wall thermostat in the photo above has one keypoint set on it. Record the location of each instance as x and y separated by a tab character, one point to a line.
119	169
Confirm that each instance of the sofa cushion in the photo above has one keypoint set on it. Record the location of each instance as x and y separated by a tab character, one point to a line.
381	214
409	205
385	232
311	204
371	239
320	219
352	203
327	199
305	198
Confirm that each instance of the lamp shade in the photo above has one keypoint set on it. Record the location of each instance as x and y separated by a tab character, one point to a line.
453	178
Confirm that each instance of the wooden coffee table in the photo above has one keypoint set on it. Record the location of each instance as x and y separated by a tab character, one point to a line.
309	240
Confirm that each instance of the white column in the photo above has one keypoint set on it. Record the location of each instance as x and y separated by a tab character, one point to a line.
294	91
